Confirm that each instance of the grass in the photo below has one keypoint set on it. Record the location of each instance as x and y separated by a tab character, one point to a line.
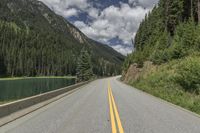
17	78
162	83
4	102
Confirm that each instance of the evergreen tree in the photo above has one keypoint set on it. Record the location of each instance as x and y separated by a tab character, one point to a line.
84	66
172	10
170	31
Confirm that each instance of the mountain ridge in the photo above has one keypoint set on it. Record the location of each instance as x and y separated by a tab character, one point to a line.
35	16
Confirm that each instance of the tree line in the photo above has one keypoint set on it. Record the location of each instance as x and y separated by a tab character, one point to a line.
25	52
170	31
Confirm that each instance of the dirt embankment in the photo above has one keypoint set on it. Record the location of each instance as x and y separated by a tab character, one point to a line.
134	72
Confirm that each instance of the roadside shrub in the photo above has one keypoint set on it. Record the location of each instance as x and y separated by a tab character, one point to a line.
139	58
177	50
188	74
160	56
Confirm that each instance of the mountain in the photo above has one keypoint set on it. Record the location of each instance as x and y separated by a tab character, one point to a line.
36	41
166	60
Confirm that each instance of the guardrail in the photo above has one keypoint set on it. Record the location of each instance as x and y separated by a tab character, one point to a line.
9	108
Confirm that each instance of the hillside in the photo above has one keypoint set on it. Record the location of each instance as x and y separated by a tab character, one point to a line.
166	60
36	41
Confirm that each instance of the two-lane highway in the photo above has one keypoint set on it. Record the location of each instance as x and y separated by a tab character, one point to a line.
114	114
106	106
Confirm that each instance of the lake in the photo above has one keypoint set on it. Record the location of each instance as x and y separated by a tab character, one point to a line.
22	88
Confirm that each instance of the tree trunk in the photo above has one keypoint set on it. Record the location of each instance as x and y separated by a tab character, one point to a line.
191	4
166	14
198	10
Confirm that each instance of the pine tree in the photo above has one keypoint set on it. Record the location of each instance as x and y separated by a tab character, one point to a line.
84	66
173	14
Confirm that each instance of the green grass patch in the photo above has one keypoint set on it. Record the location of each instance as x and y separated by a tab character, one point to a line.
177	81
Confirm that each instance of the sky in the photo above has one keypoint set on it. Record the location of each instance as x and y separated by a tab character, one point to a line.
112	22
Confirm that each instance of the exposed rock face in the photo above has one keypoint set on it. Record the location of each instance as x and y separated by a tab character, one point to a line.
134	72
47	17
76	34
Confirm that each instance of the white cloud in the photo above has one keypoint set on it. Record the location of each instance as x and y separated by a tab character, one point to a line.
67	8
148	3
144	3
122	49
70	12
65	4
93	12
80	24
119	22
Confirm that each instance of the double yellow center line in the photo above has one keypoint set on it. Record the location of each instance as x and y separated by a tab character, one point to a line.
114	115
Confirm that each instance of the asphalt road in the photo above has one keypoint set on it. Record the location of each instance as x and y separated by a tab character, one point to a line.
106	106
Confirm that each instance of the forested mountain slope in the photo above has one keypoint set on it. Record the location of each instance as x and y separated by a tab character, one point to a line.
170	31
166	60
36	41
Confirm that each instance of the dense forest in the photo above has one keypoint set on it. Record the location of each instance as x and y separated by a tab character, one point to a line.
24	52
166	58
169	31
34	41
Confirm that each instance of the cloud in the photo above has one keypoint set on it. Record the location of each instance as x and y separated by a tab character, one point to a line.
69	13
122	49
93	12
66	8
114	21
121	22
65	4
144	3
80	24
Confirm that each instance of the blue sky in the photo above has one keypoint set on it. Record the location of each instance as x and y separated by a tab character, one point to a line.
113	22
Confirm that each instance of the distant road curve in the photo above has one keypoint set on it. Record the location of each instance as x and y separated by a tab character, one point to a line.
106	106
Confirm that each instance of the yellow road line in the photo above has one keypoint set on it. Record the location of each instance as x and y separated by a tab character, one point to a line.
114	114
121	130
114	130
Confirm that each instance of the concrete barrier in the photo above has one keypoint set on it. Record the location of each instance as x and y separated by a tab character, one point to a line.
8	109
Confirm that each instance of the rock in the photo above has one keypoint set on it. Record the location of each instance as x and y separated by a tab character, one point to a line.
132	73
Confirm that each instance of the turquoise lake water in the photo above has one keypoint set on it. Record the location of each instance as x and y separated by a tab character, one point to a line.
22	88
